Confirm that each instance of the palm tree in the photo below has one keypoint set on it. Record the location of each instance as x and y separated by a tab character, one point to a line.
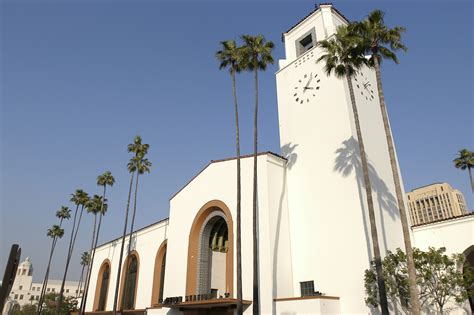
343	57
56	232
80	198
465	160
381	42
93	206
132	147
231	57
85	261
104	180
257	55
140	165
62	214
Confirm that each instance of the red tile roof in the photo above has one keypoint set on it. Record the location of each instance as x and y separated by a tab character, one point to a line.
317	7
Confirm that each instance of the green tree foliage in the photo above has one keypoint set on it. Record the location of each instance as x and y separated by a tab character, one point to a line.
68	304
28	309
465	161
440	278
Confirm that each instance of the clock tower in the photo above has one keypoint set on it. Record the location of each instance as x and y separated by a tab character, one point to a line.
329	225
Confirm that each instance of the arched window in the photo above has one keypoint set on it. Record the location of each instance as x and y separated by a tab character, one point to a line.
102	288
162	277
159	276
130	282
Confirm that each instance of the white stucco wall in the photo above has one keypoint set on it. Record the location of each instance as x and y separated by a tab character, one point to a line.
146	243
456	235
217	182
326	197
306	307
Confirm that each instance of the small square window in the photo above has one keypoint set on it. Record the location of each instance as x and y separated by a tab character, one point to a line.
307	288
21	287
305	42
21	297
67	290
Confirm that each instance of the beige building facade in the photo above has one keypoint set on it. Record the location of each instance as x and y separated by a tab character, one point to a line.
435	202
25	291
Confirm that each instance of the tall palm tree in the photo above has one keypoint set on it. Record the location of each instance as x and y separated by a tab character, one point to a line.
465	161
131	148
93	206
140	165
381	42
342	57
85	261
80	198
257	55
104	180
230	56
62	214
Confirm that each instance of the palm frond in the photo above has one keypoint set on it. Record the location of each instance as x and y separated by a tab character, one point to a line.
377	39
342	54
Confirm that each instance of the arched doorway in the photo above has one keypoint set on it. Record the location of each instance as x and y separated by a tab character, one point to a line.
102	286
210	252
159	275
213	245
469	267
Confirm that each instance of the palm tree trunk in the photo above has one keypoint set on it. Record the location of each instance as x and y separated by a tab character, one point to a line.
89	269
80	282
414	299
91	263
370	204
239	232
71	245
46	275
130	234
119	268
470	178
255	302
132	223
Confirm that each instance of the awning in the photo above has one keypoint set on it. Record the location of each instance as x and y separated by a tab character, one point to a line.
208	304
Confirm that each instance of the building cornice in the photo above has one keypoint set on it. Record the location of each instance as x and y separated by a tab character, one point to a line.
447	220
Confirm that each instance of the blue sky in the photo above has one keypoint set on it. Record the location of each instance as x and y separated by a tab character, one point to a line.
80	79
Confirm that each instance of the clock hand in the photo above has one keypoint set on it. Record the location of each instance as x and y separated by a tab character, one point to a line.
309	81
308	88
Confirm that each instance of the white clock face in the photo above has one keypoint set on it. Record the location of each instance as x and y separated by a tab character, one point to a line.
364	86
306	87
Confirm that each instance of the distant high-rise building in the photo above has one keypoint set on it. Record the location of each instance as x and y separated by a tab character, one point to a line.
435	202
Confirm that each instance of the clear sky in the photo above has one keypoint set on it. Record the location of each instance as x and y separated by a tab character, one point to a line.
80	79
